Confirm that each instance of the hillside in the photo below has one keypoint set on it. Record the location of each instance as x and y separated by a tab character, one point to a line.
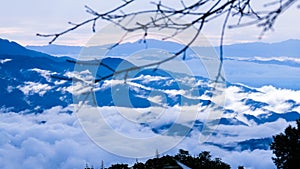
42	96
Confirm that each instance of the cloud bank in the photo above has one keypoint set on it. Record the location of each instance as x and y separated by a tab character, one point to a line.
55	137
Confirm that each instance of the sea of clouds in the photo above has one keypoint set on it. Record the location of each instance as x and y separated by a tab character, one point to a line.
57	138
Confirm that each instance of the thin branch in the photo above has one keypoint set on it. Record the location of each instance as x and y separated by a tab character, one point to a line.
164	17
55	36
219	75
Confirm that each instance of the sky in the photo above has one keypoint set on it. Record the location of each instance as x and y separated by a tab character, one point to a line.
21	20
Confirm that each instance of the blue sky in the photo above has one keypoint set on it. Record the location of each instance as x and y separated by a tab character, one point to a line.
21	20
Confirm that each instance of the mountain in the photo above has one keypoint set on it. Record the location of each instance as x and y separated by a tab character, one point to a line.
43	81
123	49
274	64
251	144
30	80
12	48
288	48
57	50
34	83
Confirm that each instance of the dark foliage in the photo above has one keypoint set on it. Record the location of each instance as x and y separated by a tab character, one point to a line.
139	166
203	160
163	162
119	166
286	147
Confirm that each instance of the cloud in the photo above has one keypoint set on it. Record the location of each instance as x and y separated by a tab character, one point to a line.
31	88
44	73
52	139
2	61
276	98
10	30
256	58
57	139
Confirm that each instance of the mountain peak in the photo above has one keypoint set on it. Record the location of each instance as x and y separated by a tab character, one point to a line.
12	48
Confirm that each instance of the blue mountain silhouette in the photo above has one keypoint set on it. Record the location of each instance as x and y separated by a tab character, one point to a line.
31	82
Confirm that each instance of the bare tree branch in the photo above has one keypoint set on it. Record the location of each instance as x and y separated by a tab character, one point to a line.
164	17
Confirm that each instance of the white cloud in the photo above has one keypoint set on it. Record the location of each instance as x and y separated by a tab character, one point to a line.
2	61
59	82
58	142
256	58
44	73
297	109
56	139
147	78
31	88
9	89
276	98
10	30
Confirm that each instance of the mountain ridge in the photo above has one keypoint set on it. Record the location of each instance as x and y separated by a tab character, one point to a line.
290	48
39	70
32	86
12	48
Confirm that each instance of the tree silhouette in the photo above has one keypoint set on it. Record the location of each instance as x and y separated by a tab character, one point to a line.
119	166
161	162
286	147
203	160
139	166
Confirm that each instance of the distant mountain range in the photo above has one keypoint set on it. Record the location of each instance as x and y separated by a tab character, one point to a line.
255	64
288	48
31	82
57	50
